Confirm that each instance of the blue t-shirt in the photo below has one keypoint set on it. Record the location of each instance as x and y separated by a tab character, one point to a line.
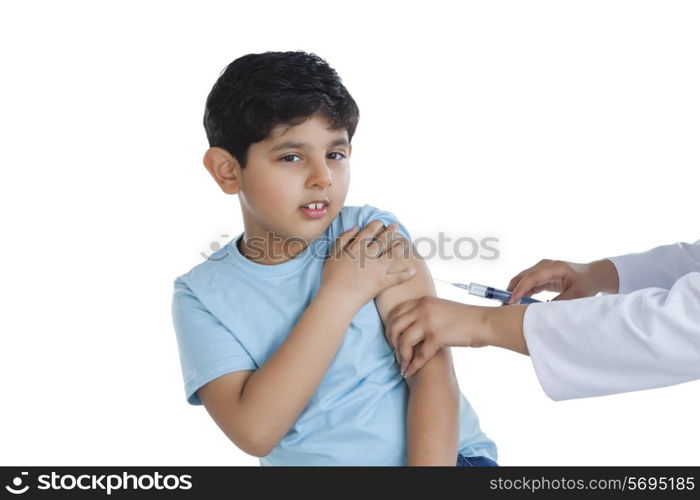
231	314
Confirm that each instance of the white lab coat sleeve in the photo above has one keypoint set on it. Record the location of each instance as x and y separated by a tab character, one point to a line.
616	343
659	267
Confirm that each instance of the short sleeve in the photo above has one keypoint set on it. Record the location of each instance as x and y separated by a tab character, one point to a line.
369	213
207	348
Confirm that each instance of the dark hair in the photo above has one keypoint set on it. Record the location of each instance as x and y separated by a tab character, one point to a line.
257	92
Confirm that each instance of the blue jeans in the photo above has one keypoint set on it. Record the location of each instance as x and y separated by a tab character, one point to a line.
463	461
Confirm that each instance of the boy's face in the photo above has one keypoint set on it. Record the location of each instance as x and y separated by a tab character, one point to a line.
294	167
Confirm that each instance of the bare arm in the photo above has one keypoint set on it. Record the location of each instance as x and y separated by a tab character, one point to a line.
433	408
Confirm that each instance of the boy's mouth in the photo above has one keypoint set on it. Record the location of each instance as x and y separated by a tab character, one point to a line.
315	209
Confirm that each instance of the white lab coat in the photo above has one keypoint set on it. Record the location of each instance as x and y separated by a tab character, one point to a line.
646	336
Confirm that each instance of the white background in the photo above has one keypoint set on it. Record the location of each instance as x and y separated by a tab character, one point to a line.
564	129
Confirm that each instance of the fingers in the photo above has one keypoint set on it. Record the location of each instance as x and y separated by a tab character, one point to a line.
385	239
369	233
409	339
523	287
373	233
342	241
400	319
421	356
539	279
356	237
402	308
516	279
396	278
537	289
398	248
570	293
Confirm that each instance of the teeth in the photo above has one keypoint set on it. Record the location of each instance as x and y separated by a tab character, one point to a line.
314	206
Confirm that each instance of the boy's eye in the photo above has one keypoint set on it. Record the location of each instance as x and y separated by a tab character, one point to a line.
289	158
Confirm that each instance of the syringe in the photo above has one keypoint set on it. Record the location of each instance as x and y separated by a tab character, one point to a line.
489	292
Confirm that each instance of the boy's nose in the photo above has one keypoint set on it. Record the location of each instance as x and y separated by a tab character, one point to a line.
320	176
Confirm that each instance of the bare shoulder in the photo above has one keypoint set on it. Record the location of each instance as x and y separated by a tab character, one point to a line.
419	286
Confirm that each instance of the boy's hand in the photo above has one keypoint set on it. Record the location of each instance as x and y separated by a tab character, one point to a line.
357	267
570	280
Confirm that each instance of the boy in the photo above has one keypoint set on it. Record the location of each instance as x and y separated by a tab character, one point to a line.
280	332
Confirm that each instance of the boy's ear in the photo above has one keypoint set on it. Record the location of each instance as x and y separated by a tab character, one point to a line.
224	168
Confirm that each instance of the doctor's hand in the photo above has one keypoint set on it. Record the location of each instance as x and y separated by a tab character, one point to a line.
570	280
417	329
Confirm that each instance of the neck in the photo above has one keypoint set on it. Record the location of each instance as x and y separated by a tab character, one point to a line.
270	251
